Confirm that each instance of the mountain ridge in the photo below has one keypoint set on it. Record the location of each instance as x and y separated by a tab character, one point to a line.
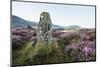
20	22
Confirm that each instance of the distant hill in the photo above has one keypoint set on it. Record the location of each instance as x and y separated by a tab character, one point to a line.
19	22
72	27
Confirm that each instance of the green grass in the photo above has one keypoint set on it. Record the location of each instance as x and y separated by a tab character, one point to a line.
22	54
46	53
39	54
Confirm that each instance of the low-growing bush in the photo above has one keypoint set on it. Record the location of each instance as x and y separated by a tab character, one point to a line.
46	53
67	40
40	54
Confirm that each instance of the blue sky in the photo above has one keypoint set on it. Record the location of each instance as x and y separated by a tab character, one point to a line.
63	15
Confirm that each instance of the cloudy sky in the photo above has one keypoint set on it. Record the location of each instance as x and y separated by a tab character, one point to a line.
63	15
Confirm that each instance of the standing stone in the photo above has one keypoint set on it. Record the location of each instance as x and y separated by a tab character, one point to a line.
44	31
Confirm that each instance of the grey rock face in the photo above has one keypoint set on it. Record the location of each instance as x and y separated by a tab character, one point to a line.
44	31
